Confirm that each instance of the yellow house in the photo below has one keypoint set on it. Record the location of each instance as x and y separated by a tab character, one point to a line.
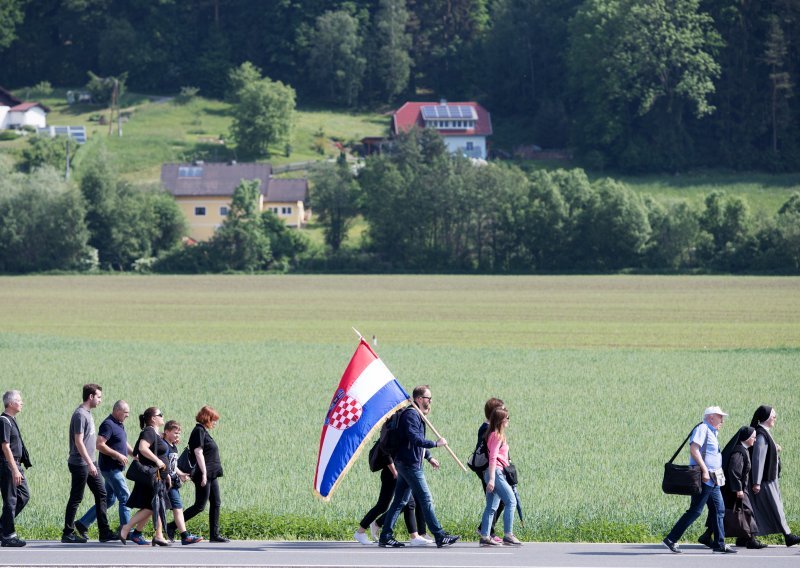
204	190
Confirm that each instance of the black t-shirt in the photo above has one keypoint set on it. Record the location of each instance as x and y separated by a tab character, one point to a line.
201	438
157	444
9	434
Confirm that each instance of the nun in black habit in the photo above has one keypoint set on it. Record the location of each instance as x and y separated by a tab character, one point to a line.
765	476
739	521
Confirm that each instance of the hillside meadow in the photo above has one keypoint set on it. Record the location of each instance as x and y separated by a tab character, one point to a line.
603	376
159	129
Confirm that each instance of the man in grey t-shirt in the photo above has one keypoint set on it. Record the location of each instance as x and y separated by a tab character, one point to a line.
83	468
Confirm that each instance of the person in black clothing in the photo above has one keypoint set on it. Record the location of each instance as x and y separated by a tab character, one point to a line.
151	450
480	447
206	474
736	463
13	484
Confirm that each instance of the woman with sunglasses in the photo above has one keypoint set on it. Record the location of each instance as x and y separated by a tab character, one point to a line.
151	450
497	488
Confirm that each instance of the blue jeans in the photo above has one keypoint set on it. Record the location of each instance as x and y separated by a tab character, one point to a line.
411	480
502	492
712	496
116	489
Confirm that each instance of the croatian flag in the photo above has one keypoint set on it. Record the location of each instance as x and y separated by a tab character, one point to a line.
367	394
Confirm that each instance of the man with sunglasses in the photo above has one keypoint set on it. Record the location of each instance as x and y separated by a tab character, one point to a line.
83	468
410	475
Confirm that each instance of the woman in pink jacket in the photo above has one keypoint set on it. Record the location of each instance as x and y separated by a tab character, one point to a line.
497	488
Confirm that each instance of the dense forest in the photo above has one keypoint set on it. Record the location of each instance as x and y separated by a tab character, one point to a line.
629	85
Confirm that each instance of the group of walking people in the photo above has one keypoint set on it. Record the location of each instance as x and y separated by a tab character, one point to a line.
153	462
399	454
740	484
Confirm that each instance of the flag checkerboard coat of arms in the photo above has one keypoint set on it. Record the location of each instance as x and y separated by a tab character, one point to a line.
367	394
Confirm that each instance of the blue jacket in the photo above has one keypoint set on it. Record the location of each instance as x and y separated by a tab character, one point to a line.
414	443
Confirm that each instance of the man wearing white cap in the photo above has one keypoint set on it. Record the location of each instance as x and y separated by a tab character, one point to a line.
705	453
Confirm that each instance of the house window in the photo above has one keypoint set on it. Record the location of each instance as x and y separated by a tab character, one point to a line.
470	146
199	211
190	171
223	211
286	210
274	210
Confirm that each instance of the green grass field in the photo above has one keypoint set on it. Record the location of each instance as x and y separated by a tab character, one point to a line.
603	375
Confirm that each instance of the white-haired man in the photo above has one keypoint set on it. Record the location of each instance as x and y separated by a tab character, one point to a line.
13	457
705	453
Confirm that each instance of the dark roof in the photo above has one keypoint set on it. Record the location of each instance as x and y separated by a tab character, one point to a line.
7	99
287	190
215	179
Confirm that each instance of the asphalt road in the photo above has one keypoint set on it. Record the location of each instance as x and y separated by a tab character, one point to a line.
347	554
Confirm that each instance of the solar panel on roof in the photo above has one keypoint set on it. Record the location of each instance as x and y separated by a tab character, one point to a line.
433	112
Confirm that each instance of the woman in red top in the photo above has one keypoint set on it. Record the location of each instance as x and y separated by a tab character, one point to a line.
497	488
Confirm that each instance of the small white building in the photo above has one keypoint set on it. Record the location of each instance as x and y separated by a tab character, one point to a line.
14	113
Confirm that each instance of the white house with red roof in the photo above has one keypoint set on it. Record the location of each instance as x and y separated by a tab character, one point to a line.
14	113
463	126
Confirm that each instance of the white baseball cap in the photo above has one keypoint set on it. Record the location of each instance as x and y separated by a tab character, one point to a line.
714	410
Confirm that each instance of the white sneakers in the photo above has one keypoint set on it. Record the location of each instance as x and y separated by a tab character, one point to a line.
375	531
362	538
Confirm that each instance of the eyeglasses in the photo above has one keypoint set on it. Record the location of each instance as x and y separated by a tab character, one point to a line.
160	415
427	397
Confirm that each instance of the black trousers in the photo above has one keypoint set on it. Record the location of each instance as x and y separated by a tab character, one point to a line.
202	495
15	497
80	480
414	517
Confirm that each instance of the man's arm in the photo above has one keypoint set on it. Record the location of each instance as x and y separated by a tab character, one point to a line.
12	464
694	449
104	448
84	454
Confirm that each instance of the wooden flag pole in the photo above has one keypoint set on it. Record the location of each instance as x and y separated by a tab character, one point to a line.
425	419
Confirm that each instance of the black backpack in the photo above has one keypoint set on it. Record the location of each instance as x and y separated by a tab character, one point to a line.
392	436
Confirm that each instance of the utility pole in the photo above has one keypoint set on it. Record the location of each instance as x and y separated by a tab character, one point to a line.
66	173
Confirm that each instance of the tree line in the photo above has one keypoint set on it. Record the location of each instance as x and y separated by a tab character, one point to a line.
662	85
425	210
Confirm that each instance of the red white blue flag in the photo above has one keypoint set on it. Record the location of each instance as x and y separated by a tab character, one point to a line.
367	394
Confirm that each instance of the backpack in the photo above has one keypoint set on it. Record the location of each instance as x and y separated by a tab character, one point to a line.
185	462
392	436
478	461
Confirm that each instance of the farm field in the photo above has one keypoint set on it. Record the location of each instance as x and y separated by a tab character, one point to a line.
603	376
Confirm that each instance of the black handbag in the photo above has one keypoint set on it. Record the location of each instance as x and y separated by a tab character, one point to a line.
139	473
510	471
738	521
682	479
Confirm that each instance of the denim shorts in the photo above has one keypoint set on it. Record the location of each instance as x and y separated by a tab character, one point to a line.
175	499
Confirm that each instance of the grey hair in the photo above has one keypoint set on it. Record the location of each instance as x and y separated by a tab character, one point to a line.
10	396
119	405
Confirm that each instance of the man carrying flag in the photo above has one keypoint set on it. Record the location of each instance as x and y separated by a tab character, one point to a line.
410	475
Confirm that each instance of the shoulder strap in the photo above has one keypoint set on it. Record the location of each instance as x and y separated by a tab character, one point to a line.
675	455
